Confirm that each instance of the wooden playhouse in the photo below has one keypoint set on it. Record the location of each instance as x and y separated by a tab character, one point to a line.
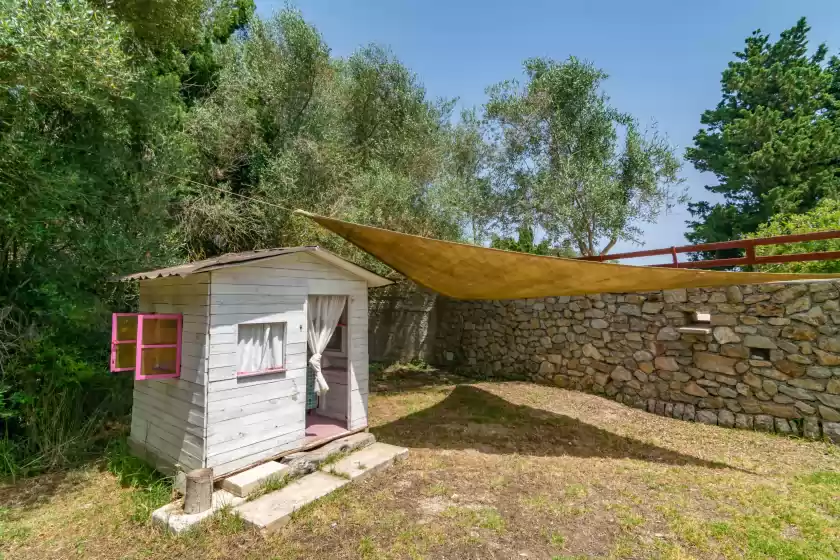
245	357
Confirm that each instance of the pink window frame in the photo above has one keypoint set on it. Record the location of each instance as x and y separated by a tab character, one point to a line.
260	372
115	341
140	346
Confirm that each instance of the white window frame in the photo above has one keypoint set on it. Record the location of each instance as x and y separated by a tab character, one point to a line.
284	345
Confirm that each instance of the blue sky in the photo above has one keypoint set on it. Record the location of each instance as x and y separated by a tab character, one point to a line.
664	58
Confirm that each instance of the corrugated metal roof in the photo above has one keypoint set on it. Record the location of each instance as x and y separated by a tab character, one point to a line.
239	259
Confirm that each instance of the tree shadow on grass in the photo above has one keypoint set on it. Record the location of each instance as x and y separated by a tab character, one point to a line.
471	418
30	492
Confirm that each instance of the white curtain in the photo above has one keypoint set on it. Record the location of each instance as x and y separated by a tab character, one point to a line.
260	346
324	313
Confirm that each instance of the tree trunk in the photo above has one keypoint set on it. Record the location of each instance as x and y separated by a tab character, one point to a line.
198	495
609	246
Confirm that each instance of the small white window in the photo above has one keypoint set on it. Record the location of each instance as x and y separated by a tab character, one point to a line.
261	348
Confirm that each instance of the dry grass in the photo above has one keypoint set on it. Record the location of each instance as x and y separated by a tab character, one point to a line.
496	470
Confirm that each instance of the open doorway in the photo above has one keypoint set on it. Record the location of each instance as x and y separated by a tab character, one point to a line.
327	414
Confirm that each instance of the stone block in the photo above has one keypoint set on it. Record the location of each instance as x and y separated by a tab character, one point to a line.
808	383
694	390
758	341
304	462
828	414
798	306
734	295
811	428
744	421
172	517
769	387
271	511
818	372
767	309
668	333
667	363
783	426
726	418
763	423
707	417
755	298
796	393
800	332
725	335
651	307
675	296
621	374
827	359
363	463
831	430
246	482
790	368
829	400
805	408
714	362
780	410
631	310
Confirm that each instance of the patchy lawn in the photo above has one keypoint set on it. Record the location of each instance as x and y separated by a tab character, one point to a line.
495	470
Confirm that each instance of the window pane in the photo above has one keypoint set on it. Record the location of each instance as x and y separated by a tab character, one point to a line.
126	354
260	346
127	327
159	361
160	331
335	339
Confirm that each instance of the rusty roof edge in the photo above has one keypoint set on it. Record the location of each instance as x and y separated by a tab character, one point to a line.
207	265
256	257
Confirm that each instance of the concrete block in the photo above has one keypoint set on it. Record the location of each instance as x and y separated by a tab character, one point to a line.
271	511
246	482
305	462
367	461
172	516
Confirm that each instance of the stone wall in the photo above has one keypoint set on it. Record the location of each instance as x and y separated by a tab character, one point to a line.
768	360
402	323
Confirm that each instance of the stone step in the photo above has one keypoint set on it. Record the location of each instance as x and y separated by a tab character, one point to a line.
172	516
305	462
246	482
367	461
270	512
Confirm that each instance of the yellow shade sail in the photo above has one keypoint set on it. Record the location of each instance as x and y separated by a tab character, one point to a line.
471	272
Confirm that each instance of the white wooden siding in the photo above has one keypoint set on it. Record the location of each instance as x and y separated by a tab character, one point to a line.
253	418
210	417
168	420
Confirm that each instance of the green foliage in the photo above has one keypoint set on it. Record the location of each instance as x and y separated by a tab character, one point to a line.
560	167
824	216
289	126
465	187
90	133
524	243
773	139
151	490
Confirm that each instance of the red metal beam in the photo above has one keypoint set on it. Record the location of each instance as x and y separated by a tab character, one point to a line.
748	244
772	259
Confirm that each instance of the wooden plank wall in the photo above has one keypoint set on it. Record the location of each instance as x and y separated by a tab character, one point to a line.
168	415
256	417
